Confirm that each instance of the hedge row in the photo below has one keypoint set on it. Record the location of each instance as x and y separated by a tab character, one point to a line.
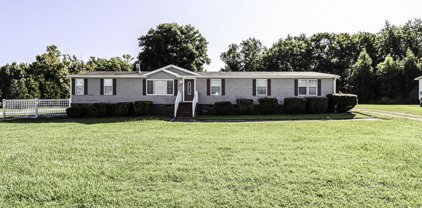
341	103
138	108
336	103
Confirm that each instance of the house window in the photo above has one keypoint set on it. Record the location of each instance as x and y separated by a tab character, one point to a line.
215	86
79	86
108	86
261	87
312	86
160	87
303	85
307	87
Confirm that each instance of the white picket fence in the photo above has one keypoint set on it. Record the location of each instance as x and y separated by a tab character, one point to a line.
35	108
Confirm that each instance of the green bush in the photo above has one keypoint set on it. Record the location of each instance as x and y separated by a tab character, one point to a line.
75	112
223	108
246	106
142	108
341	103
123	109
295	105
316	104
268	105
100	109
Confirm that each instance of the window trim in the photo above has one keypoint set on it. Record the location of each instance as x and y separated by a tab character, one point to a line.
166	80
307	88
76	87
104	87
221	87
266	88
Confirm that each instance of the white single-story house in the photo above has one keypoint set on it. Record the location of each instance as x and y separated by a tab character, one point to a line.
420	88
172	85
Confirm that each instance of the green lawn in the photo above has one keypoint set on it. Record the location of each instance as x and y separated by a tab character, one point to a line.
133	163
284	117
410	109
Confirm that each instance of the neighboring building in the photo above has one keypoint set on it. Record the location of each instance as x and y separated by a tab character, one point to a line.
171	84
420	88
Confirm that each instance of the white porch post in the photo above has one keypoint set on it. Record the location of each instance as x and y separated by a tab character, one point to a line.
36	107
335	86
4	108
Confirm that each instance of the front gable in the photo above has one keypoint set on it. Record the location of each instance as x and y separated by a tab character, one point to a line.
163	75
170	71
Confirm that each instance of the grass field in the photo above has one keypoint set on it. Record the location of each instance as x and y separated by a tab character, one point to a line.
410	109
133	163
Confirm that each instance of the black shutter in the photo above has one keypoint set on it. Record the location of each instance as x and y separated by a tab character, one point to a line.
254	87
175	87
269	87
85	86
101	86
296	86
208	87
144	86
319	87
223	87
114	87
73	86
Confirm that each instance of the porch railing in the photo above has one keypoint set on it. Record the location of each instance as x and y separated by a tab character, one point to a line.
34	108
194	102
176	102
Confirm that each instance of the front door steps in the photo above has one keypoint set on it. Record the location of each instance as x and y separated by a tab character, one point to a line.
184	111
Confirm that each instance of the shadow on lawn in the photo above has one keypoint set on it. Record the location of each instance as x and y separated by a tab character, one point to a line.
81	120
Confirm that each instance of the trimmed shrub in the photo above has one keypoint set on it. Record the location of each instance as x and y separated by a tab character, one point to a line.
295	105
142	108
341	103
223	108
100	109
123	109
75	112
246	106
268	105
316	104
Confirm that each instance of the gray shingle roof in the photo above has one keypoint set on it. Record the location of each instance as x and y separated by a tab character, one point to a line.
264	74
260	74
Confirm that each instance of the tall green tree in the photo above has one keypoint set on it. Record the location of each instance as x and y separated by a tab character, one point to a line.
247	56
10	72
170	43
391	42
411	70
290	54
391	79
112	64
17	89
412	36
362	79
51	70
33	88
231	59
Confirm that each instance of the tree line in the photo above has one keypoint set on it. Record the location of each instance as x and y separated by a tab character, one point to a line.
46	77
378	67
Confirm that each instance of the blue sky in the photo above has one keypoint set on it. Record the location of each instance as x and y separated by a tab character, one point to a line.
110	28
